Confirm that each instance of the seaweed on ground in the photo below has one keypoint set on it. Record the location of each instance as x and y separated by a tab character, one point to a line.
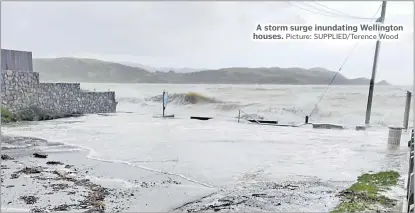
365	194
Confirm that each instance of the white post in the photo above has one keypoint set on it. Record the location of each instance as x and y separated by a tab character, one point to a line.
407	110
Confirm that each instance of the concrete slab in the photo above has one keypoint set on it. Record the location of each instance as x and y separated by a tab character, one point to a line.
327	126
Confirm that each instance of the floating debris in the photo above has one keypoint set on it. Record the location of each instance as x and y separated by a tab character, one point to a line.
54	163
38	155
29	199
31	170
6	157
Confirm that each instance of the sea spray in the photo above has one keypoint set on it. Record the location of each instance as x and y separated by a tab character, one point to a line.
234	106
131	100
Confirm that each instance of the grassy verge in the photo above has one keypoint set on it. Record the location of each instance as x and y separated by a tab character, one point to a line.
365	194
6	116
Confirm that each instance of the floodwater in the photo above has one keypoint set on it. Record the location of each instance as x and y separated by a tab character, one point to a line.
223	153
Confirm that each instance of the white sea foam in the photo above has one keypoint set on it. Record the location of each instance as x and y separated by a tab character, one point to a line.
221	151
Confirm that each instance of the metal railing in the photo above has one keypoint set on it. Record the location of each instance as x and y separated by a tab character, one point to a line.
410	182
239	116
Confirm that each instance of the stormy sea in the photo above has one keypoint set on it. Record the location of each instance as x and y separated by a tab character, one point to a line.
186	165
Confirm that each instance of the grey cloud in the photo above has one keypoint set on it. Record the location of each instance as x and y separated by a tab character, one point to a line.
139	28
187	34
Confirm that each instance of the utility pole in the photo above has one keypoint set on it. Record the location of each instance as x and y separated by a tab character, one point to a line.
375	63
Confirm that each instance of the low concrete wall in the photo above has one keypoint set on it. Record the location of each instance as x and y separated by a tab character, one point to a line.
16	60
21	90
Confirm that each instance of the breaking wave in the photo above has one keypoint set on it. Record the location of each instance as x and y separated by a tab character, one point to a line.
185	98
132	100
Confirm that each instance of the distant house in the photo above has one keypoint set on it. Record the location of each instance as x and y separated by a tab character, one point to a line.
16	60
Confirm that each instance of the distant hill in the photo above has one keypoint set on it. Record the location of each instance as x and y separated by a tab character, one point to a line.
94	71
89	70
162	69
144	67
383	83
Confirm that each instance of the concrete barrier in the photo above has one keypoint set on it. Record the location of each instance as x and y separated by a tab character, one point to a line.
327	126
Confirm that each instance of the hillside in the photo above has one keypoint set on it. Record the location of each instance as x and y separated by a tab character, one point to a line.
89	70
94	71
163	69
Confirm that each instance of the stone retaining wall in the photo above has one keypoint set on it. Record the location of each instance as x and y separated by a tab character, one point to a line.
18	89
21	90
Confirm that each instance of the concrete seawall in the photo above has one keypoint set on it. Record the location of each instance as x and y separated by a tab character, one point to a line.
21	90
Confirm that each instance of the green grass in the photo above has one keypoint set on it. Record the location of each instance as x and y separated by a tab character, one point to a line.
6	116
32	113
365	193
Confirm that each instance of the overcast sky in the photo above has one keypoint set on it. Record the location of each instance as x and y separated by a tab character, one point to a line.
204	34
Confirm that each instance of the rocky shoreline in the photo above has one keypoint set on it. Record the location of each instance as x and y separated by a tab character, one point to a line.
35	181
40	179
62	178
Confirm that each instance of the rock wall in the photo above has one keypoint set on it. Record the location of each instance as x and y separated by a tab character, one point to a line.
21	90
18	89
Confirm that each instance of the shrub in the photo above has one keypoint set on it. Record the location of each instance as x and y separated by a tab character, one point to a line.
6	116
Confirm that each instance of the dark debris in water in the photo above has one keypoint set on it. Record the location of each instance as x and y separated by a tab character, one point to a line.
29	199
59	186
6	157
95	198
31	170
38	210
169	181
40	155
54	163
61	208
